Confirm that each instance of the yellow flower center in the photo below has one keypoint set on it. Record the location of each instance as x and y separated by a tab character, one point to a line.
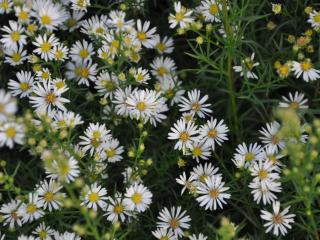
48	196
115	44
203	178
162	71
140	77
84	53
141	106
59	84
212	133
118	209
45	75
249	157
213	9
16	57
5	4
100	30
275	140
197	151
294	105
179	16
24	86
196	106
174	223
46	47
15	36
71	22
84	73
81	3
43	234
136	198
11	132
284	70
184	136
161	47
263	174
31	27
65	169
14	214
111	153
59	54
316	18
94	197
273	159
46	20
31	208
277	219
164	238
306	65
213	193
141	36
170	93
51	98
96	134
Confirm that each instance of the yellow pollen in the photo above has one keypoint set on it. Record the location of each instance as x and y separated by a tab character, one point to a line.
15	36
284	70
11	132
174	223
100	30
96	134
213	193
43	234
306	65
5	4
273	159
118	209
136	198
316	18
16	57
59	54
203	178
59	84
46	47
111	153
275	140
84	72
81	3
161	47
65	169
141	36
212	133
71	22
184	136
179	16
196	106
23	15
140	77
170	93
162	71
115	44
294	105
277	219
48	196
45	75
46	20
51	98
164	238
213	9
24	86
94	197
249	157
197	151
141	106
31	208
263	174
84	53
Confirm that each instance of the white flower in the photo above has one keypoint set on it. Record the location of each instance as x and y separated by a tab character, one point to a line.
43	232
66	236
278	221
212	192
201	173
81	51
10	133
163	68
49	14
263	171
314	19
306	69
65	171
45	45
195	105
247	67
32	210
96	196
199	237
8	105
137	198
199	150
5	6
265	192
175	220
15	56
66	119
185	134
11	214
213	132
164	233
145	35
116	210
60	52
141	75
296	101
96	25
13	36
211	10
82	72
164	45
181	17
246	156
120	100
106	83
80	5
111	151
187	183
74	20
47	97
117	20
49	194
270	136
24	85
171	88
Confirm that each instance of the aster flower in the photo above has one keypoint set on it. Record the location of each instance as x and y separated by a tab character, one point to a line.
137	197
305	68
23	86
182	16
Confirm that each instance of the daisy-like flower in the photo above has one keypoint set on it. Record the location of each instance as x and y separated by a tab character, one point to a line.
47	97
141	75
247	67
13	36
74	21
294	101
116	210
32	210
265	191
49	195
199	237
106	83
8	106
45	45
181	17
111	151
276	220
66	236
43	75
164	233
201	173
164	45
246	156
11	214
212	193
82	72
60	52
175	220
95	135
117	20
270	136
144	34
67	119
96	196
65	171
22	13
49	14
263	171
271	155
80	5
24	86
5	6
199	150
187	183
305	68
81	51
137	197
171	88
163	68
43	232
185	133
15	56
195	105
314	19
213	132
210	10
10	133
120	100
95	26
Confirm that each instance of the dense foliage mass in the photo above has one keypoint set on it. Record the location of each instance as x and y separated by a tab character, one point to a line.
149	119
